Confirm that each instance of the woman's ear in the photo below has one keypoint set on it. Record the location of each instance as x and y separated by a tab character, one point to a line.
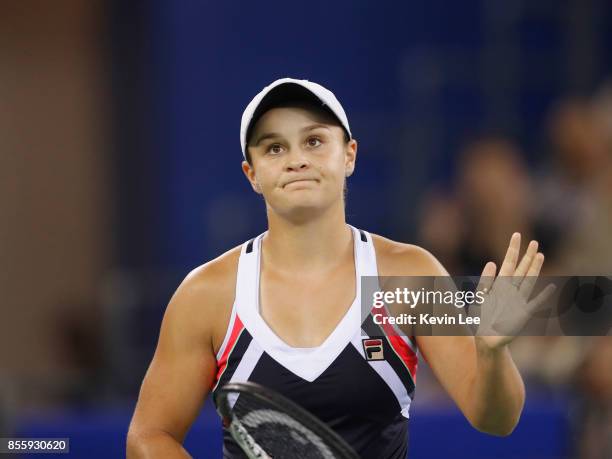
350	157
249	173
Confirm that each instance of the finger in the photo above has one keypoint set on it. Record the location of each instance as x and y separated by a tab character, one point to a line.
509	263
532	275
525	263
487	277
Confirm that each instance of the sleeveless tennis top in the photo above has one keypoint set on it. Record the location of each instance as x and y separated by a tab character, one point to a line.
360	381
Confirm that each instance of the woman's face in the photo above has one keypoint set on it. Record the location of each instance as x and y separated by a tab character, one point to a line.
299	161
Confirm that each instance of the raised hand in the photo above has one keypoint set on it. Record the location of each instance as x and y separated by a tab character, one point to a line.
507	306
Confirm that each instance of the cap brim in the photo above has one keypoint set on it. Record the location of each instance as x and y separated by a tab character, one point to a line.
285	92
282	94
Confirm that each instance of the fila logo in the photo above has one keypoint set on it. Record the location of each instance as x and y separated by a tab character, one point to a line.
373	348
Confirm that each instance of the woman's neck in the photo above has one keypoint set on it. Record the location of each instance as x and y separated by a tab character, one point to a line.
311	245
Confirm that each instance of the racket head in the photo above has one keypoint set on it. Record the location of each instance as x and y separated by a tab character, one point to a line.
279	427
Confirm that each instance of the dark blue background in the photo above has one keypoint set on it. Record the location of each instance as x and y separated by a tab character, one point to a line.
416	79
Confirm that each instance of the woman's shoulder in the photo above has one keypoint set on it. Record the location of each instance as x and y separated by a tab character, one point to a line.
403	259
215	280
206	296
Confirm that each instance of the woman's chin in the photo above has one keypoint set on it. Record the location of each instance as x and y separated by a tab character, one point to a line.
302	211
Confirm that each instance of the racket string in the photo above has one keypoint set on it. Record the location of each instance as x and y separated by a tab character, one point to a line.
277	433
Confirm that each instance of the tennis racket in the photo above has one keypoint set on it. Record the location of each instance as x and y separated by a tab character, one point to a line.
267	425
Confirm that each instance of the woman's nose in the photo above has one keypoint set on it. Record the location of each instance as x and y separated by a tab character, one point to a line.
297	160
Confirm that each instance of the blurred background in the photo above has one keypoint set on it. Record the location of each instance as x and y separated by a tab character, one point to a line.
120	172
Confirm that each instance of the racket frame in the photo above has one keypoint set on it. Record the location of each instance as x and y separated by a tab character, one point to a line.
281	403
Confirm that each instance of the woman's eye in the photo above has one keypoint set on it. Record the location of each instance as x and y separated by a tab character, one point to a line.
313	142
275	148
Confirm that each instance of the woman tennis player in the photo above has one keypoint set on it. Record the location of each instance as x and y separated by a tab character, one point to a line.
283	309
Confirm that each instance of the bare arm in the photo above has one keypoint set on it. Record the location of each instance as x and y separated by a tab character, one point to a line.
180	374
484	383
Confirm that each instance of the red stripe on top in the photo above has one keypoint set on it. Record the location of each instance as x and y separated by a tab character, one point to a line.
400	346
405	353
222	362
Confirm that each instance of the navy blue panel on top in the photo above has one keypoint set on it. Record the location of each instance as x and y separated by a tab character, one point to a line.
349	396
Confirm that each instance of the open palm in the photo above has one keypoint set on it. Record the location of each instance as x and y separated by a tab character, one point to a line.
507	307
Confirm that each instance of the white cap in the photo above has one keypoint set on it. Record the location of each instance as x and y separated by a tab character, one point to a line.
290	88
